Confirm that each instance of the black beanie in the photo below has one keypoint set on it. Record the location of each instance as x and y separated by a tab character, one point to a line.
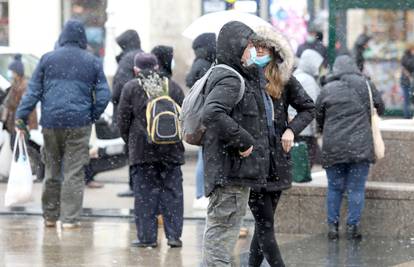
145	61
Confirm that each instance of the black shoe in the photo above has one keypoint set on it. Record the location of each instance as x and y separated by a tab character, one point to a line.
128	193
175	243
333	232
139	244
353	232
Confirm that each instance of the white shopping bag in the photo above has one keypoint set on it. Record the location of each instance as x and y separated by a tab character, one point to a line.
5	155
20	184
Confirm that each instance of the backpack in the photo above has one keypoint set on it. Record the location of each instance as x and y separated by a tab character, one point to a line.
192	108
163	113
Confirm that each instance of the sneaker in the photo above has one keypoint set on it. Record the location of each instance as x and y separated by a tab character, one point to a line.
94	185
50	224
333	232
201	203
128	193
353	232
175	243
139	244
69	226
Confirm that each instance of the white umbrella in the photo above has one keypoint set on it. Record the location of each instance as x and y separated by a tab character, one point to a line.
213	22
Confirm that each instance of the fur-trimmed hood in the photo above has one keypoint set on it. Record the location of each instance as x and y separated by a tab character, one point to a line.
271	38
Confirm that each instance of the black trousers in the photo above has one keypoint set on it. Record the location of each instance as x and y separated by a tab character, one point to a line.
103	164
264	246
158	189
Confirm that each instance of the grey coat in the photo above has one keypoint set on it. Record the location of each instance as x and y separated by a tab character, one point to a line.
343	115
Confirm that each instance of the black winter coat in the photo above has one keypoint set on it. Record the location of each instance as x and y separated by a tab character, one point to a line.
233	127
204	47
343	115
132	123
407	63
128	41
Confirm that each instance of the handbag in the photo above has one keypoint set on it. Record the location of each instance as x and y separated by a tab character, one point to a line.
20	184
379	146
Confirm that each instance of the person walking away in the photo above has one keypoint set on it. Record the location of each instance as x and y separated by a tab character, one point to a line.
307	74
407	76
73	91
360	46
155	167
343	116
130	43
314	41
204	47
235	145
13	98
279	90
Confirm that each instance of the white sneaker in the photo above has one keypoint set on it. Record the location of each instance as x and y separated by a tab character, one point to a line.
201	203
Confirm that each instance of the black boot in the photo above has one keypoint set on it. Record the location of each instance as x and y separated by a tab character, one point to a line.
353	232
333	232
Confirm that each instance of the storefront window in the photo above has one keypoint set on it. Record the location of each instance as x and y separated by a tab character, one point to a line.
4	22
93	14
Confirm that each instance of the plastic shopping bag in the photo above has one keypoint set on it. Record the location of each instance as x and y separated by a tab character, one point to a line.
5	155
20	184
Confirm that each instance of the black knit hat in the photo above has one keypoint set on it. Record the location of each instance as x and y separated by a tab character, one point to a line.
17	65
145	61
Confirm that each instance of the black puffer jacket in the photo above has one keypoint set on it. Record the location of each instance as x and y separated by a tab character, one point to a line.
234	127
343	115
132	123
204	47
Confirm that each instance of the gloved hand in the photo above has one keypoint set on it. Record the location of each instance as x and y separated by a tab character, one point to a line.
21	126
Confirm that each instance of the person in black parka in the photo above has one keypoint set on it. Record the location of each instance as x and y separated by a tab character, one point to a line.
407	77
344	118
155	169
204	47
360	46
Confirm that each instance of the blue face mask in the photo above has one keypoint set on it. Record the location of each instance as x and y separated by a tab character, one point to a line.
253	56
262	61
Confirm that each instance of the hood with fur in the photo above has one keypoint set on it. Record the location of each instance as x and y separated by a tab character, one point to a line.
272	38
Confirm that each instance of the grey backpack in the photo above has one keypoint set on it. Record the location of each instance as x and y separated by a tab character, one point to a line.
192	108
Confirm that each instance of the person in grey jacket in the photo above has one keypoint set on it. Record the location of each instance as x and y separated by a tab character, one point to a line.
307	74
343	116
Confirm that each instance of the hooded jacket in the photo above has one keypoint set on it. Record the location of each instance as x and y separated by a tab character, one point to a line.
69	82
204	47
343	115
307	73
293	95
128	41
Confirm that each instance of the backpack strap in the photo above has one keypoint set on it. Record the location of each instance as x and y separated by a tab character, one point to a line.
166	85
242	84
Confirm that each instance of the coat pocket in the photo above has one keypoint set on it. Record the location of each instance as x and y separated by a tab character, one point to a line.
250	167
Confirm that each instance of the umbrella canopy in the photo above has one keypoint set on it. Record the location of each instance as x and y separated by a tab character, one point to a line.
213	22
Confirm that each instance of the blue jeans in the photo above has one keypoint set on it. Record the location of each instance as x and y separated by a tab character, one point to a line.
349	178
200	175
407	101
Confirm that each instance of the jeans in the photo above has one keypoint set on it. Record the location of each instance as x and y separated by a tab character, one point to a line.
65	152
349	178
407	101
226	209
158	188
200	175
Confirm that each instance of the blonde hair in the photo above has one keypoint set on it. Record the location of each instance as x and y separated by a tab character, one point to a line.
274	86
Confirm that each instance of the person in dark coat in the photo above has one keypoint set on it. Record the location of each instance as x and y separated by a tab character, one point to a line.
130	44
314	41
73	91
407	77
343	116
155	169
279	90
361	44
204	47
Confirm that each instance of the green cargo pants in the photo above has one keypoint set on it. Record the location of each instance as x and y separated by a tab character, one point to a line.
65	152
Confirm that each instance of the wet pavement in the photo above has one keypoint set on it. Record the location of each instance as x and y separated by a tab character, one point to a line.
105	242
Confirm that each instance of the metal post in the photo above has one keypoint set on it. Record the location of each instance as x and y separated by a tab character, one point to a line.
332	32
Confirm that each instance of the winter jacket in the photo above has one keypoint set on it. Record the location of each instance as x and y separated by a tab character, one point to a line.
293	95
317	45
407	63
359	48
69	82
17	90
132	123
204	47
128	41
306	73
343	115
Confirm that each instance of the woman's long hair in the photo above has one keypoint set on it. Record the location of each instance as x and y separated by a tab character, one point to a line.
274	86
